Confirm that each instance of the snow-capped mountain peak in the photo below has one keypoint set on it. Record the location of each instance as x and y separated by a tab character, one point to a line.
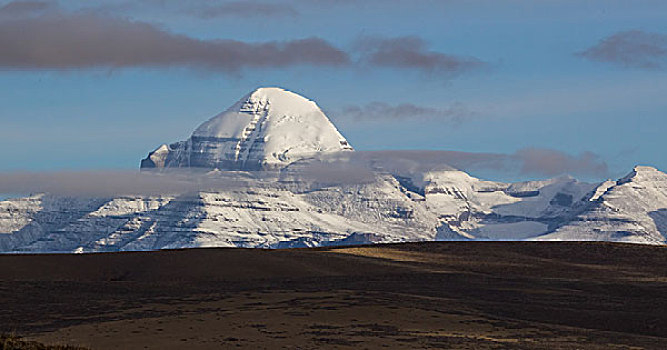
268	128
631	209
277	101
643	173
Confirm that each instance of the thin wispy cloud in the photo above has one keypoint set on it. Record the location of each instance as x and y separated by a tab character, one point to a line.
540	162
410	52
382	111
634	48
21	8
527	161
87	40
245	9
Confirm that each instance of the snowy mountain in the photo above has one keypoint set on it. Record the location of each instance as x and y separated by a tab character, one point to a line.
262	215
267	129
449	205
632	209
299	200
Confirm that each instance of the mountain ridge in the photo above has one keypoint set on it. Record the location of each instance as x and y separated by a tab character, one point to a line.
302	214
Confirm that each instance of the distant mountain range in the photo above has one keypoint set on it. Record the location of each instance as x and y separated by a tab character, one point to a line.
281	135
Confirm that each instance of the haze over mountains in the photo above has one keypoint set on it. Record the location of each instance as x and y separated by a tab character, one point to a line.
302	185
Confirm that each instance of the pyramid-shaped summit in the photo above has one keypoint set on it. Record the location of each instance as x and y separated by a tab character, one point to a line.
267	129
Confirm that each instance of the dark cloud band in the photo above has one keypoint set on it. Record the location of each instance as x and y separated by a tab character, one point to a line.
411	52
40	35
89	41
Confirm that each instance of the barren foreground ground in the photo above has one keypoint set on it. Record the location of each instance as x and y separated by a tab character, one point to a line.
475	295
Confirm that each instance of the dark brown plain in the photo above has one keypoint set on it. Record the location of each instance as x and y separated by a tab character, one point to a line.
467	295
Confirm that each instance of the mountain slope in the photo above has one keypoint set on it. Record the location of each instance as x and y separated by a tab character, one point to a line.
632	209
470	208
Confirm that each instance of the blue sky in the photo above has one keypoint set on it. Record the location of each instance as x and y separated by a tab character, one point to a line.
530	90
